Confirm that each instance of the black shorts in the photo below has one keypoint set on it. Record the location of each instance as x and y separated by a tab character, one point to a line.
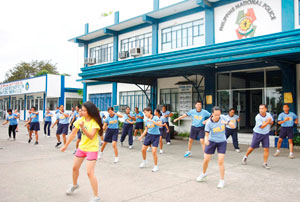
62	129
34	126
139	125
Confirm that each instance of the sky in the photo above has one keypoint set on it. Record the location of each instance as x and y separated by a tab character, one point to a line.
40	29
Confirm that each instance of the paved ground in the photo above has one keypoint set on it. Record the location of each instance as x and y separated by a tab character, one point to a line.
42	173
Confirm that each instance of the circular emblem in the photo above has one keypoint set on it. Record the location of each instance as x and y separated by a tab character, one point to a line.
27	86
245	26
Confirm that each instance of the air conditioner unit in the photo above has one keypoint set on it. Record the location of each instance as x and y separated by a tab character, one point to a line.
123	54
89	61
135	52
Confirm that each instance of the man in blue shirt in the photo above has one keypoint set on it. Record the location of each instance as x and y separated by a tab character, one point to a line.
215	138
13	123
263	122
34	125
199	118
165	119
233	131
139	124
129	119
287	120
62	119
48	121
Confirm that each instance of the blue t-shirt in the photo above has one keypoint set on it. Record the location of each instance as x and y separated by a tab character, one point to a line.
48	117
216	130
198	117
62	119
259	120
138	120
57	111
152	128
126	117
112	122
161	119
292	117
34	117
12	119
165	119
76	115
233	119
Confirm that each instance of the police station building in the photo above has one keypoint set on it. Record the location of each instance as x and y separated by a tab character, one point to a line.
231	53
40	92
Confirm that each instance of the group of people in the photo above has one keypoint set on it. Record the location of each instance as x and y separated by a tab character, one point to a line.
213	129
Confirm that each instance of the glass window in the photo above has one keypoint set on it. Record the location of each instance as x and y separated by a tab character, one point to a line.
41	104
242	80
274	78
187	34
223	81
103	53
141	41
52	103
170	96
223	100
72	102
134	99
274	100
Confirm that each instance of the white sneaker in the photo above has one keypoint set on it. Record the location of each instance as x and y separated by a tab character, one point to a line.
291	156
201	177
155	169
130	147
45	135
149	149
221	184
71	189
161	151
48	136
238	151
100	155
265	165
116	160
95	199
143	164
244	160
168	143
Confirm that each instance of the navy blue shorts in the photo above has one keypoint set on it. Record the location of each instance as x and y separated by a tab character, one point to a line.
151	140
79	134
34	126
111	135
62	129
197	132
139	125
260	138
211	148
286	132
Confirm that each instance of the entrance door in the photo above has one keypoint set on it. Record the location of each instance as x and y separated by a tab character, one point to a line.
247	103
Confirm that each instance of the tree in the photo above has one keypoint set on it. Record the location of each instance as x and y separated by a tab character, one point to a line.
29	69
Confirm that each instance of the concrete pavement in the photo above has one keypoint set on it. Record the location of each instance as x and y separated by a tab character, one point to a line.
42	173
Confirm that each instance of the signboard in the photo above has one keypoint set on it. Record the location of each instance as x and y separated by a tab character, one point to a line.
209	99
33	85
246	19
185	98
288	98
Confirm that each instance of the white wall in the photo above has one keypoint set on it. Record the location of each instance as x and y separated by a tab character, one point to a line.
72	95
264	23
53	85
297	23
70	82
179	21
97	89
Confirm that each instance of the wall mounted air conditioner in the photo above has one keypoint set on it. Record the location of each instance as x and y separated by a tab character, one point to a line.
90	61
135	52
123	54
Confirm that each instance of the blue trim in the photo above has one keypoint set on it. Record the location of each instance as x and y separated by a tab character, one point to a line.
109	31
61	100
153	95
72	90
98	83
84	96
25	106
288	15
155	39
114	93
86	53
149	20
209	26
115	48
86	28
117	18
155	5
44	107
9	100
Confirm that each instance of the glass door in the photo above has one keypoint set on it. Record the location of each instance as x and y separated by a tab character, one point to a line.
246	103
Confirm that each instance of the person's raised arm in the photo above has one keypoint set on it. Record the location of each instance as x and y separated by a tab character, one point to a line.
181	117
54	123
143	134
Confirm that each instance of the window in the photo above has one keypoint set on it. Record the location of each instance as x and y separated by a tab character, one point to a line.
103	53
170	96
52	103
41	104
134	99
183	35
143	41
72	102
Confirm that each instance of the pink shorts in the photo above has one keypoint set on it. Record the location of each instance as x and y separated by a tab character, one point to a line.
91	156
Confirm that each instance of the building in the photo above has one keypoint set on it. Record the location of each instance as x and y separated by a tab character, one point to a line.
42	92
231	53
